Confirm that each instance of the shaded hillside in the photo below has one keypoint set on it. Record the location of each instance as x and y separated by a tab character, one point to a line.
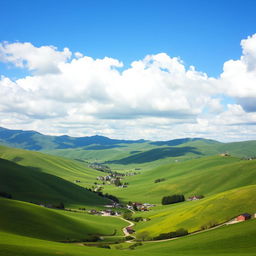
156	154
57	225
177	142
33	185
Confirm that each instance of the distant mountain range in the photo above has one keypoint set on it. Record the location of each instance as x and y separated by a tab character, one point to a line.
113	151
33	140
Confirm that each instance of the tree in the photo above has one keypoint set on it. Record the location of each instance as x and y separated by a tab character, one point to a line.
172	199
117	182
144	235
127	215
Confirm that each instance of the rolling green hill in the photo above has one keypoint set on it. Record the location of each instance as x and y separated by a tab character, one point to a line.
124	153
33	185
30	220
148	155
228	184
234	240
193	215
203	176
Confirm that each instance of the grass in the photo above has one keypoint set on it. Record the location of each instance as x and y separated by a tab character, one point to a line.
228	184
204	176
193	215
235	240
33	185
151	154
37	177
30	220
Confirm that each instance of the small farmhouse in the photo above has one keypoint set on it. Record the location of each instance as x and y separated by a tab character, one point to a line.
193	198
130	230
243	217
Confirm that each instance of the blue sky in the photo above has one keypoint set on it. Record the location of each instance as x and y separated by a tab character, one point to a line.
203	33
123	68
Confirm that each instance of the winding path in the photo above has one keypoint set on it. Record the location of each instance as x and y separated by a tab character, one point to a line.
191	234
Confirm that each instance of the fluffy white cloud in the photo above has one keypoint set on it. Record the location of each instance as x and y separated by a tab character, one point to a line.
238	79
155	98
41	60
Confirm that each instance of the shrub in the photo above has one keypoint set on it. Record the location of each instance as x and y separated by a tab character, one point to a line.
127	215
177	233
159	180
106	246
137	219
133	246
127	238
92	238
142	236
6	195
210	224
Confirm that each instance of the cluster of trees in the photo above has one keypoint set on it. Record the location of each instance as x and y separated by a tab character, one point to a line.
159	180
172	199
6	195
177	233
210	224
133	246
127	215
60	206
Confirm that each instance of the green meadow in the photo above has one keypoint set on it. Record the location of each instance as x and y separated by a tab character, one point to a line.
26	219
228	184
193	215
203	176
236	240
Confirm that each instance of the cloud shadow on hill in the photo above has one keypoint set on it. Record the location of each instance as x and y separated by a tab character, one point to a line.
156	154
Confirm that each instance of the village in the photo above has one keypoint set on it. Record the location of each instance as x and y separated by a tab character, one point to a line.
131	206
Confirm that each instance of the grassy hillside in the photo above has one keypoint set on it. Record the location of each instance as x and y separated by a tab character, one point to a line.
57	225
58	166
193	215
148	155
235	240
32	184
203	176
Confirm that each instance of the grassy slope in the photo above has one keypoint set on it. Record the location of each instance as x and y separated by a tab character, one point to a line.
58	166
30	220
147	155
235	240
30	184
192	215
206	176
46	178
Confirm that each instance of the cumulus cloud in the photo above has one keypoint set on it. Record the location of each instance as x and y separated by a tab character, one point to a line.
155	98
41	60
238	79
